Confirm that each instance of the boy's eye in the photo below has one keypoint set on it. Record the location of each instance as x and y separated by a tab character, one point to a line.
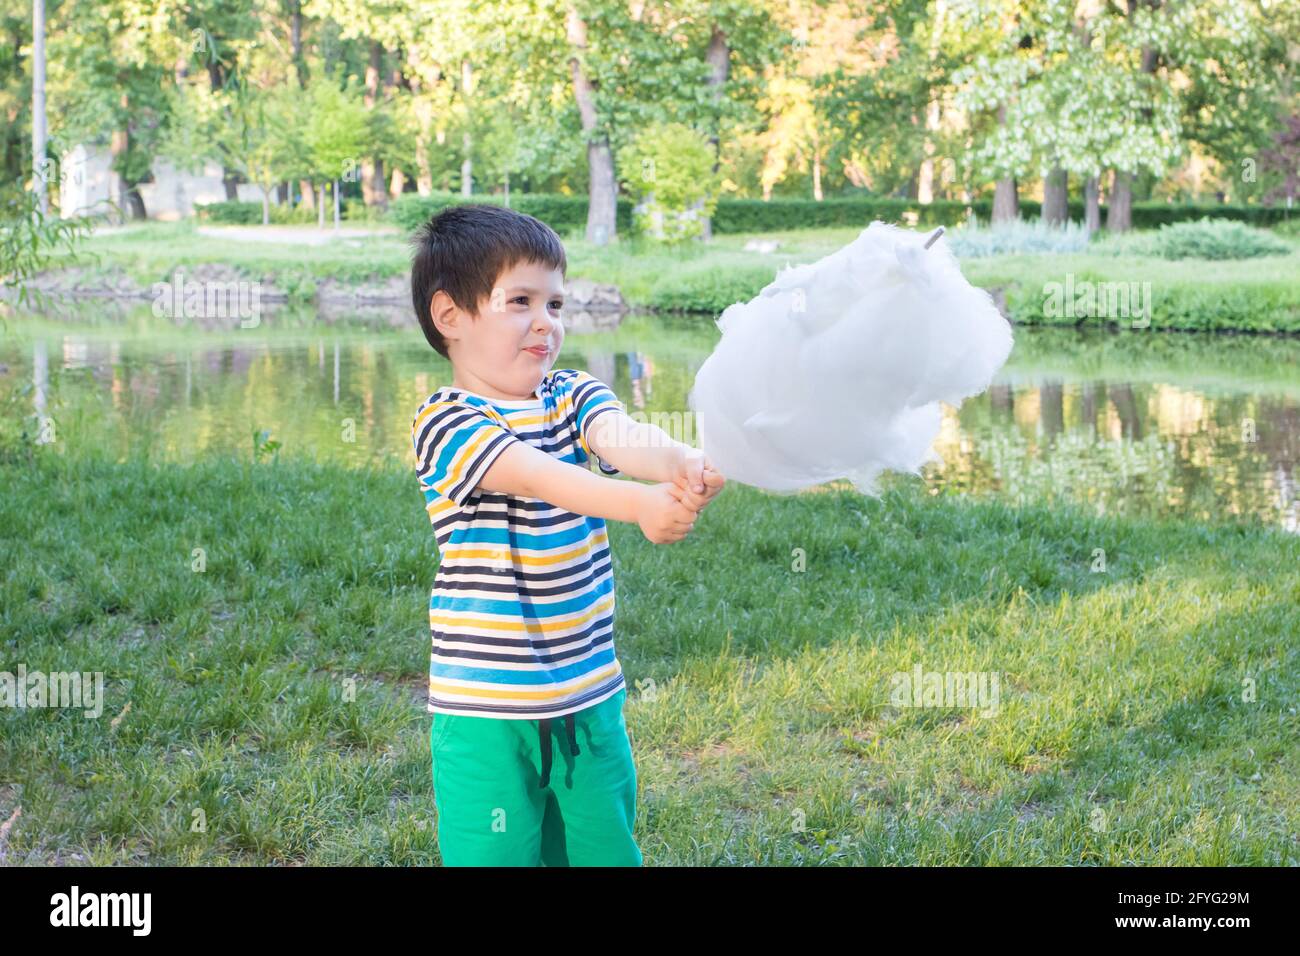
554	304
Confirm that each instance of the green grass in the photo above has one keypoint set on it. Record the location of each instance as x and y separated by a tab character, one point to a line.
1258	295
1121	692
151	252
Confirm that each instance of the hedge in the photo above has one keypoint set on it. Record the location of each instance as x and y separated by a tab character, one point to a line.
231	212
565	214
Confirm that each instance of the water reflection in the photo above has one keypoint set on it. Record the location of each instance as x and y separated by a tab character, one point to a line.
1208	431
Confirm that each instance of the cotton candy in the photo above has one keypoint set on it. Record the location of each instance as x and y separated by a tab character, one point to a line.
836	369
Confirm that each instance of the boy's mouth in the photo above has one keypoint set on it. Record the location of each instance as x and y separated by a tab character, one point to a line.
541	351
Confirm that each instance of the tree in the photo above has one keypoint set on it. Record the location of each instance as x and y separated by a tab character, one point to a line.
336	136
670	167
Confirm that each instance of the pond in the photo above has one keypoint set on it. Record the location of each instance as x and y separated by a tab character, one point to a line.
1131	423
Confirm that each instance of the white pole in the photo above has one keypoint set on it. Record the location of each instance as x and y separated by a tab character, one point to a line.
40	168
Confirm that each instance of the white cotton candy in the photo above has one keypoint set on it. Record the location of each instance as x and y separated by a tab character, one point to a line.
835	370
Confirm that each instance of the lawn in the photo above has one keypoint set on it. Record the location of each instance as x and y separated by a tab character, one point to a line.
1147	712
1258	294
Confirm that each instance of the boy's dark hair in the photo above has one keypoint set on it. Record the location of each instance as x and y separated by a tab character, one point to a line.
465	248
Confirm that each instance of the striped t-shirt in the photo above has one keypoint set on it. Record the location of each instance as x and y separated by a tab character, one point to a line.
522	607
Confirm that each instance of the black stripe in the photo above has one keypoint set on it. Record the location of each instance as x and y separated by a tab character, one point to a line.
484	517
586	636
508	584
593	561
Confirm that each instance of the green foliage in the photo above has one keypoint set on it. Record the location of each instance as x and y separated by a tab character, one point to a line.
338	129
29	239
1017	238
237	213
1174	304
1201	239
710	290
669	167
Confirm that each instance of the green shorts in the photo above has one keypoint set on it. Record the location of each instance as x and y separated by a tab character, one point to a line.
496	809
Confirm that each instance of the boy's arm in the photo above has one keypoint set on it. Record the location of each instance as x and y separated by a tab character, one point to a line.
637	449
528	472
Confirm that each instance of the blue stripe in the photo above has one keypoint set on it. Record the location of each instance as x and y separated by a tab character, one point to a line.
552	675
464	432
514	609
598	400
546	541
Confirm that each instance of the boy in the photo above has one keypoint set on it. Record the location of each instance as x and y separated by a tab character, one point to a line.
522	608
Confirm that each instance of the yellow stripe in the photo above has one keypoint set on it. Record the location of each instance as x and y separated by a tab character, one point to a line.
460	691
439	505
471	552
553	624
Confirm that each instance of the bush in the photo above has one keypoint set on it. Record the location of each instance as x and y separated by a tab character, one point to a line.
236	213
710	290
1289	227
1182	305
1019	237
1202	239
670	167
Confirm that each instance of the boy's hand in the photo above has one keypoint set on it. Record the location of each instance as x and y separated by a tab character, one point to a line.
713	484
688	469
663	518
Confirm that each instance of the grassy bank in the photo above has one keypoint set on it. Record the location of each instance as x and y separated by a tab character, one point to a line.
1121	735
1255	295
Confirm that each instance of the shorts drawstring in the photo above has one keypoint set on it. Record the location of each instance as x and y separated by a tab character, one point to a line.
544	735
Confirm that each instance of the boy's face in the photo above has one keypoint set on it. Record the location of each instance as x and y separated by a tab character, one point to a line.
494	354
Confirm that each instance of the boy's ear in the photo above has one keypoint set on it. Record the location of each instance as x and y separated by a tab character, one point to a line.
444	312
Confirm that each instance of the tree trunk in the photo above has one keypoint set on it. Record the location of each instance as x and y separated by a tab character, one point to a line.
424	121
1006	202
718	57
1119	209
336	204
466	141
1056	191
123	193
373	190
320	207
925	179
1092	204
602	204
817	167
925	183
1119	206
308	193
295	42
